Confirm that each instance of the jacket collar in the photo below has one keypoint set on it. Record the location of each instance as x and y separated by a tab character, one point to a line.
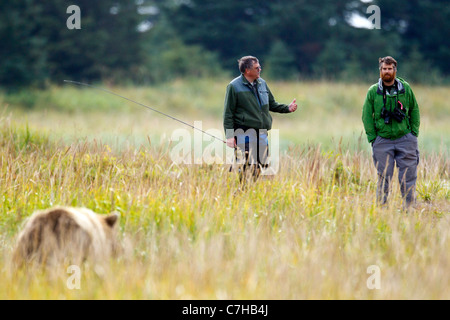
398	83
246	82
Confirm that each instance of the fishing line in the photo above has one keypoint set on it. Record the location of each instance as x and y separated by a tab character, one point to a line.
145	106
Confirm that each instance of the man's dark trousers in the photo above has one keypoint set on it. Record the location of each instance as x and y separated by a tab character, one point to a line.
403	152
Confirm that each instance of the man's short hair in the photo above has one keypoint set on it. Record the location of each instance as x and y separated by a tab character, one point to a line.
388	60
246	63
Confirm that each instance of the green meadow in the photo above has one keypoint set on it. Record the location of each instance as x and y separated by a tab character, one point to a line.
311	231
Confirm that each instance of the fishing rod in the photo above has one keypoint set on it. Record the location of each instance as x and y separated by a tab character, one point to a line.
145	106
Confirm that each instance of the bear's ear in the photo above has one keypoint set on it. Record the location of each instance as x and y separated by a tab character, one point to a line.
111	219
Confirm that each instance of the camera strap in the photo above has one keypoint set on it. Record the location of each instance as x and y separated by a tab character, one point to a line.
385	95
384	110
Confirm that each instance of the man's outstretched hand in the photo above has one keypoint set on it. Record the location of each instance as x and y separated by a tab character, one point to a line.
293	105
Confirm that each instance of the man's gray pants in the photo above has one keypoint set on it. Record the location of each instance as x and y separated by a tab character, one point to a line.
404	152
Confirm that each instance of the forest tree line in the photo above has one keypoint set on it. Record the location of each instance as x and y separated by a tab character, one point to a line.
150	41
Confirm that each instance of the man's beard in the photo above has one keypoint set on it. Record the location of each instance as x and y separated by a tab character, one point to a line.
386	77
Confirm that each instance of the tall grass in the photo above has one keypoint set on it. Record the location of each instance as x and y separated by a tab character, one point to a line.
328	112
309	232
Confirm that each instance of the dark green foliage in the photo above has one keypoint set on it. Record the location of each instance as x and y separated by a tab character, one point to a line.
293	39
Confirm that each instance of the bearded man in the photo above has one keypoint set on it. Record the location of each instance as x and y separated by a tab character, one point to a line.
391	120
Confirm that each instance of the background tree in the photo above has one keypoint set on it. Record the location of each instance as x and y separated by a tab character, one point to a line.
280	63
21	52
146	41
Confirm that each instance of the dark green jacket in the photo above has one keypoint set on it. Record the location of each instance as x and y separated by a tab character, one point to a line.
375	125
245	108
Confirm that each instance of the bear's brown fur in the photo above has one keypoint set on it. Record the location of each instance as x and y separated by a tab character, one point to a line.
66	235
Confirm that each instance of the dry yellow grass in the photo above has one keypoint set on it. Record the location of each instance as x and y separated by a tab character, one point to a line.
309	232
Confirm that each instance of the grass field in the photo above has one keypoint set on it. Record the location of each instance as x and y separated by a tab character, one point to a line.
312	231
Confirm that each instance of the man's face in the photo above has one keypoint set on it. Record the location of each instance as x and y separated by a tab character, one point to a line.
387	72
255	71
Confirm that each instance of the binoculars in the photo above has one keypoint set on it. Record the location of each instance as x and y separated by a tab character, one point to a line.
398	114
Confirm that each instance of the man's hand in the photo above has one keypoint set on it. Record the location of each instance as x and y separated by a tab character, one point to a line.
293	106
231	142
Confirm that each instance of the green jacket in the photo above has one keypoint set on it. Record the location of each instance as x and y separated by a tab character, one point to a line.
375	125
245	108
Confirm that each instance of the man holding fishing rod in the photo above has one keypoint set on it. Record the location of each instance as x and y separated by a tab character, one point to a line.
246	118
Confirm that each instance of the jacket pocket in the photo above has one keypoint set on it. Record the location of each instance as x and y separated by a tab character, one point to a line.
264	96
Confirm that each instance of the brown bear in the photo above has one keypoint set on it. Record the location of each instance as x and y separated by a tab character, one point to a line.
66	235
